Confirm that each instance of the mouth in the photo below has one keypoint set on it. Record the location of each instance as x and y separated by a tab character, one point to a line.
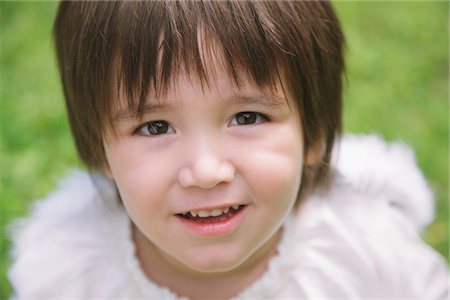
213	222
212	216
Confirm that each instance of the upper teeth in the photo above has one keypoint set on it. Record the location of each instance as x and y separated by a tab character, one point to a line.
213	213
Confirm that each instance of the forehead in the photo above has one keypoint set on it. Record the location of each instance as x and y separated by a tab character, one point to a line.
220	88
152	57
161	79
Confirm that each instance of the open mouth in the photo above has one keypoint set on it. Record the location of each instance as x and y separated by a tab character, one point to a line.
213	216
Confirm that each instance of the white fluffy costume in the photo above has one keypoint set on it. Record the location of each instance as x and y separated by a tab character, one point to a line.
360	240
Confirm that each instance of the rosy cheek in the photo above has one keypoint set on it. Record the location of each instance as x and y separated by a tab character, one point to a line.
279	177
279	161
127	170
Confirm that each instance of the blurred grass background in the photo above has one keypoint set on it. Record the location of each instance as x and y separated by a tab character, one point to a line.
398	77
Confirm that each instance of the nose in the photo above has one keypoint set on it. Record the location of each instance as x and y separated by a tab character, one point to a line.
206	167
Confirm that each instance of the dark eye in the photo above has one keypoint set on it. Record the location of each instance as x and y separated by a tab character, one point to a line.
248	118
154	128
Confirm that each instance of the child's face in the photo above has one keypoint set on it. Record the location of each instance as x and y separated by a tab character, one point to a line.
209	150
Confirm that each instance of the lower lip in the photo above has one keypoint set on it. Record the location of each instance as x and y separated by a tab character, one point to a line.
214	228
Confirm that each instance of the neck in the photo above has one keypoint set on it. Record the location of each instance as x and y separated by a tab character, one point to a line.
199	285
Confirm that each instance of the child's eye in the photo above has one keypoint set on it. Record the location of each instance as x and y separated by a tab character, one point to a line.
154	128
248	118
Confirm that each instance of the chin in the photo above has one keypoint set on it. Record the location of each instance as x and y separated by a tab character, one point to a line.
215	262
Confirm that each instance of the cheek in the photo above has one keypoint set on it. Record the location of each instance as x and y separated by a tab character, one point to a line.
276	168
141	181
279	178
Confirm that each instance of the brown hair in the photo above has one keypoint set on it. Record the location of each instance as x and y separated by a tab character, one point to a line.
145	43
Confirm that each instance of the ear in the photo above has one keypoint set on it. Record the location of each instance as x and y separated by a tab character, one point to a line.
315	153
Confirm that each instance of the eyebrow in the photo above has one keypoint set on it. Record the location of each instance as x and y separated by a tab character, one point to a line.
272	101
129	114
269	100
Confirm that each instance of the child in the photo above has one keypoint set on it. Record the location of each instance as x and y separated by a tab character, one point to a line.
208	129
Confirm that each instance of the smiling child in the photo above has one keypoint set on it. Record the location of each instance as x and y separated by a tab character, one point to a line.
208	131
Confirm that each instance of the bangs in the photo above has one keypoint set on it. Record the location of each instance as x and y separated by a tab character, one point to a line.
111	52
163	40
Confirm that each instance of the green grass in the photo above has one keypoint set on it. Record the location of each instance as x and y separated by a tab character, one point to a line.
397	87
36	146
